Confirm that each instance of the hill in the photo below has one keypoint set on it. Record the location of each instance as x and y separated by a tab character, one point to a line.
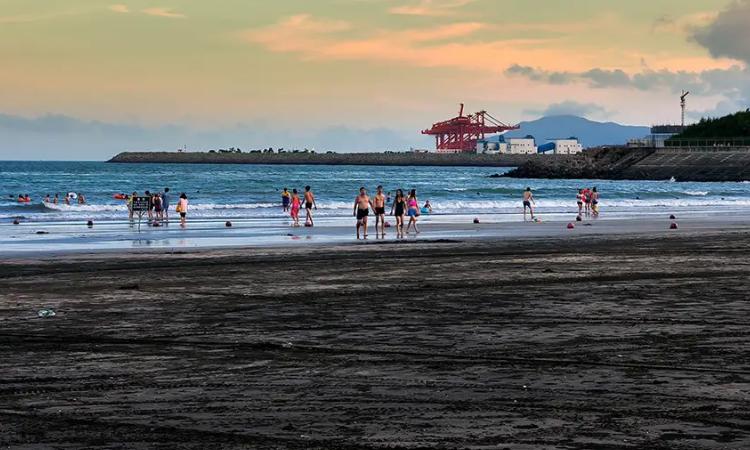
735	125
588	132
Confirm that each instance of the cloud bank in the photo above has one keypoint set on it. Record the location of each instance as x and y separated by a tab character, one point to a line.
60	137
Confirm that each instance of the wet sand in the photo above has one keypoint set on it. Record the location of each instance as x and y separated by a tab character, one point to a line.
596	341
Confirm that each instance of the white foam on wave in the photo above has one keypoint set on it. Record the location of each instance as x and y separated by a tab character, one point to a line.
698	199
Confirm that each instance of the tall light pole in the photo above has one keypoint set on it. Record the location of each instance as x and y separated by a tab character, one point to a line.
683	102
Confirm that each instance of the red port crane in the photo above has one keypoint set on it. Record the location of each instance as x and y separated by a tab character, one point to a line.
460	134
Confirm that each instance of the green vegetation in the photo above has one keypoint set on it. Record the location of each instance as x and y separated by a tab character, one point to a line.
732	126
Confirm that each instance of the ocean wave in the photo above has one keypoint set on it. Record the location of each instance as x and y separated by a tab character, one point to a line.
339	208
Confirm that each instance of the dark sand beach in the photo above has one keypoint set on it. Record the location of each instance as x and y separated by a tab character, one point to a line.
601	342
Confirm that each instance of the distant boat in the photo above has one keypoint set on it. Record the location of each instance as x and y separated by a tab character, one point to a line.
673	180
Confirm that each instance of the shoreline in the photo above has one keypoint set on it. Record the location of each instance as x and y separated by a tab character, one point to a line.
49	240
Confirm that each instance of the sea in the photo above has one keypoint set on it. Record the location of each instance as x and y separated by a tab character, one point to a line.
253	191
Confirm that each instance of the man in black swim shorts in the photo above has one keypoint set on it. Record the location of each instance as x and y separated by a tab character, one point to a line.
362	206
379	208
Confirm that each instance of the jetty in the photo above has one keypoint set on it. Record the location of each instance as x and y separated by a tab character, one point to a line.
354	159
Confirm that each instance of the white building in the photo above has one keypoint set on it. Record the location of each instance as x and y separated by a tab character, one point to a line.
567	146
522	146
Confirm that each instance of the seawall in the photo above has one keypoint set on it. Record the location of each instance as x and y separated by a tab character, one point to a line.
620	163
357	159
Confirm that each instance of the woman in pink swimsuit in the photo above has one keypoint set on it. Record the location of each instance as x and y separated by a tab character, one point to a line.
296	204
412	210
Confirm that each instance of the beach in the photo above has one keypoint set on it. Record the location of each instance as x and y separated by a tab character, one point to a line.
593	338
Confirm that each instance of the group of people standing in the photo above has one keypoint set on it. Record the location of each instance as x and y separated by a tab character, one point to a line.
292	203
588	202
158	207
401	207
586	199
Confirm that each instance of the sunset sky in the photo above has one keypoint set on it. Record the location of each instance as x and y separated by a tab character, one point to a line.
286	70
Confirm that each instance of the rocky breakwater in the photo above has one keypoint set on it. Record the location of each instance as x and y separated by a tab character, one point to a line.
621	163
593	163
362	159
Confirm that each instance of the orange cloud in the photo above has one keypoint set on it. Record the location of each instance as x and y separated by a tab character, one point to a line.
163	12
119	8
429	7
455	45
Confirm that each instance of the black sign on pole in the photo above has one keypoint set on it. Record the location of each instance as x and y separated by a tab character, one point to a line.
140	207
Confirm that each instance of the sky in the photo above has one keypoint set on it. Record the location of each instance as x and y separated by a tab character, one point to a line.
85	79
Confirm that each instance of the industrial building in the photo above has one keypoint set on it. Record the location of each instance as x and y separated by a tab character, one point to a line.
659	135
468	134
527	146
461	134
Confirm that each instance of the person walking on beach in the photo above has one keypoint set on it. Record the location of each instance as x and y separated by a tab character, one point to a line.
579	202
296	203
182	208
285	199
594	202
412	210
528	201
150	206
398	209
309	205
362	206
131	199
379	208
158	209
165	204
587	200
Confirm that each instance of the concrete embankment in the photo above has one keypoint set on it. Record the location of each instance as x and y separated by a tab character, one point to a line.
360	159
684	164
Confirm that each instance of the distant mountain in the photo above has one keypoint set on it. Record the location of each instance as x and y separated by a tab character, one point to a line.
588	132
